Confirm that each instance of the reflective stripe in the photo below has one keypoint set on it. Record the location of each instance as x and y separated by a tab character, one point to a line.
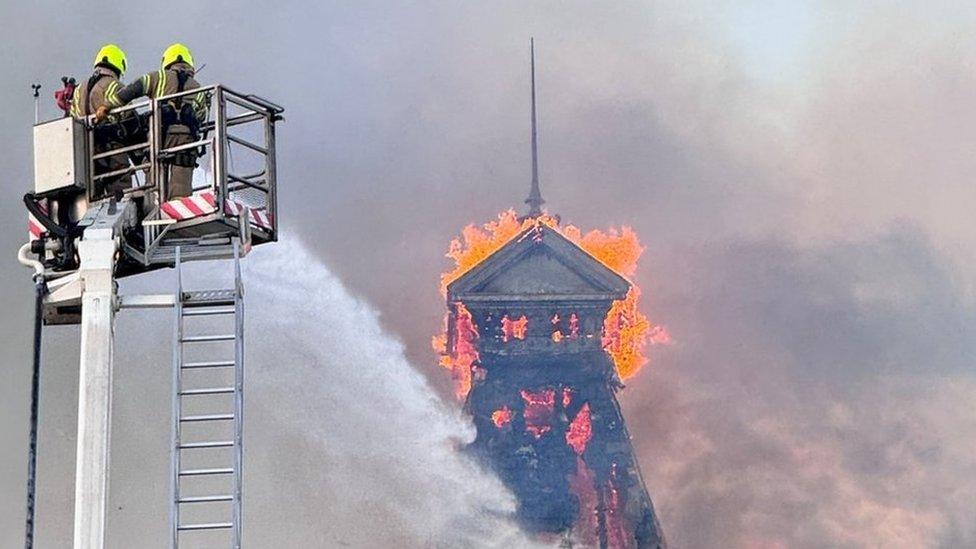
160	83
111	97
200	106
76	103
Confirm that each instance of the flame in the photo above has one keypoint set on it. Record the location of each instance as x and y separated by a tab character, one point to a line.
583	484
627	331
475	244
557	334
573	326
618	250
616	530
538	411
501	417
465	353
514	328
580	430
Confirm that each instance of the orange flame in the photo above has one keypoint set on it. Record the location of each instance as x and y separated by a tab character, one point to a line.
625	334
465	353
480	243
538	411
501	417
514	328
580	430
627	331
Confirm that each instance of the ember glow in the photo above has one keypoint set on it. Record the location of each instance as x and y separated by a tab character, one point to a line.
580	430
616	532
462	361
557	334
539	407
583	485
627	331
514	328
501	417
537	337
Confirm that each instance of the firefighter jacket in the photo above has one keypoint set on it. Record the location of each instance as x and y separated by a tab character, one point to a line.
92	94
178	77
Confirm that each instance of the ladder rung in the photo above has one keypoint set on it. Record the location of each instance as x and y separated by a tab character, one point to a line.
211	417
213	444
201	339
202	472
214	364
205	298
206	526
207	312
208	391
206	499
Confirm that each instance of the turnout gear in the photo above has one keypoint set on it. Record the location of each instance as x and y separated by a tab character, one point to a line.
92	94
180	116
91	97
177	78
111	56
177	53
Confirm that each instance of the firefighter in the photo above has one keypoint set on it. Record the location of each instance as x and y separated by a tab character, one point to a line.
180	117
89	97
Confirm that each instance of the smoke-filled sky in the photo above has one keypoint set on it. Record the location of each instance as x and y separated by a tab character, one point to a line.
800	174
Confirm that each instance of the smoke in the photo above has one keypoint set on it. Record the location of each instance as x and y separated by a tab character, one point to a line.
806	208
816	397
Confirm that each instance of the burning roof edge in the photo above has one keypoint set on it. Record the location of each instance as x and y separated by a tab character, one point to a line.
606	283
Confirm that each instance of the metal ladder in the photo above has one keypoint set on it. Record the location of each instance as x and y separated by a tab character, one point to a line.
200	403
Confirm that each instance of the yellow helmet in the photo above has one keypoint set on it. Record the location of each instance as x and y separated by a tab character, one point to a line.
111	56
176	53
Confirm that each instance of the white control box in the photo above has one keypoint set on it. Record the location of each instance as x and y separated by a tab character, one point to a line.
60	155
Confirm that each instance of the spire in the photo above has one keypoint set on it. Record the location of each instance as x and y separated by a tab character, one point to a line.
534	200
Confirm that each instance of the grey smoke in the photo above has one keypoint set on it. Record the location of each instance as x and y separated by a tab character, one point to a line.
829	406
801	174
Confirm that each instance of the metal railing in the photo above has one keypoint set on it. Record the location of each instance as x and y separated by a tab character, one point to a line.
237	126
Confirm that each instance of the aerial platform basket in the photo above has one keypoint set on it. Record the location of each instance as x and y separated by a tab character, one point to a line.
226	204
100	210
234	184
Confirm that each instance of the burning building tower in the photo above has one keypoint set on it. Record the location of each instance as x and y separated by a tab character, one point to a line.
542	328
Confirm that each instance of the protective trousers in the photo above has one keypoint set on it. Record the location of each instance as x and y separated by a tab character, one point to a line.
179	171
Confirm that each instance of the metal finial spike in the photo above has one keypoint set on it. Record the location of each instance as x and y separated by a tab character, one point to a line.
534	200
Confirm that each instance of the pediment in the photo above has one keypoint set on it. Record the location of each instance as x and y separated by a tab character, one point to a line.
539	264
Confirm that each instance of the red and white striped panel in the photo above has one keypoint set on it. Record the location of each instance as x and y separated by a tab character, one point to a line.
189	207
204	203
34	227
258	218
